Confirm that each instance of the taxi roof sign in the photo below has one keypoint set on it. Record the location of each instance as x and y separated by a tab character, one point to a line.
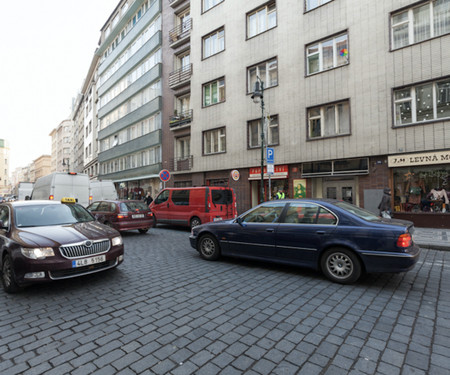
68	200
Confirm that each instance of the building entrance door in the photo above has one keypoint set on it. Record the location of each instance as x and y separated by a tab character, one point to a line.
341	190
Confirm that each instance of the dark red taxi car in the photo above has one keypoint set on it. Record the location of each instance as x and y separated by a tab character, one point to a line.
123	214
47	240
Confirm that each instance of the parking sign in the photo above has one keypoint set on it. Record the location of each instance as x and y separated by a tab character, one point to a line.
270	155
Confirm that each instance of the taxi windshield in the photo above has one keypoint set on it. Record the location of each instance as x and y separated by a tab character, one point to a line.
51	214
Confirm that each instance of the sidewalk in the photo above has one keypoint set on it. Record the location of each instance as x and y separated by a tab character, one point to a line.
432	238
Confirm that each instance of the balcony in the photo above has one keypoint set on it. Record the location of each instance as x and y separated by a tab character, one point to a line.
180	119
180	77
180	34
181	164
175	3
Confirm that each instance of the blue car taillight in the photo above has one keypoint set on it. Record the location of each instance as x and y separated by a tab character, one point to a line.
404	240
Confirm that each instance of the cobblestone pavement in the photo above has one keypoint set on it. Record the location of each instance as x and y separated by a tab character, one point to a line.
166	311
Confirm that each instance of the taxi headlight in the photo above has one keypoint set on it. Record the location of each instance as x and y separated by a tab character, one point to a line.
37	252
117	241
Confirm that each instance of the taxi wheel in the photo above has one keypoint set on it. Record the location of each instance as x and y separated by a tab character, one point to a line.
8	277
208	247
143	231
195	221
341	265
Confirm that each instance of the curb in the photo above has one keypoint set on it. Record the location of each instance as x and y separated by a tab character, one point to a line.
433	247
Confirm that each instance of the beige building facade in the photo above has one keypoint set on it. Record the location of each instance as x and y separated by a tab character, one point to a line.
5	184
347	85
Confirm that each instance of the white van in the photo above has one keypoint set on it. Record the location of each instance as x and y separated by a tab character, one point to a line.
24	190
103	190
58	185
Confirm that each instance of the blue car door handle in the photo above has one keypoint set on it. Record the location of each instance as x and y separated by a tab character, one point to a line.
271	230
320	232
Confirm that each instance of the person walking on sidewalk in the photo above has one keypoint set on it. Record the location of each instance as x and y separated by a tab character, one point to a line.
385	204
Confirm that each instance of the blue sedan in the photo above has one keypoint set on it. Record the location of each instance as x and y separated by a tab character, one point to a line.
338	238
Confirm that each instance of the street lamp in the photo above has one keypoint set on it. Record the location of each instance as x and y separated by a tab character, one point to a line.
258	96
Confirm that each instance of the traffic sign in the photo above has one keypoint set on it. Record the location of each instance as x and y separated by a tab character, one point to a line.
270	155
164	175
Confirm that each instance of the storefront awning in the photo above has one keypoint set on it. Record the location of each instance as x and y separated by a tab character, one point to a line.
136	178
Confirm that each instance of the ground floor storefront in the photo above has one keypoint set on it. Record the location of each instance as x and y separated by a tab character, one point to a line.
418	183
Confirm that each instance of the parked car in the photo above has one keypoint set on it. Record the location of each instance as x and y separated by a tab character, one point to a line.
336	237
123	214
192	206
48	240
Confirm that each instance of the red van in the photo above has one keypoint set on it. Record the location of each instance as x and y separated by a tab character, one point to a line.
193	206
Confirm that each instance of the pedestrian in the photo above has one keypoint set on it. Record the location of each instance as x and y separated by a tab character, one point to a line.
279	194
385	204
148	199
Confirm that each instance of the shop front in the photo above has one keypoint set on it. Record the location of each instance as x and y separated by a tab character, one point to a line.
278	181
421	188
137	188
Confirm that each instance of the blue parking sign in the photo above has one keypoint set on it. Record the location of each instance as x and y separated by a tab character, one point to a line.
270	155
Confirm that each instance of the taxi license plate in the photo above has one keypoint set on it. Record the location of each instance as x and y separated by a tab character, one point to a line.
138	216
88	261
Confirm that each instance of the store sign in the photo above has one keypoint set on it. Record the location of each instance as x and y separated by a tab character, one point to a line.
279	172
426	158
235	175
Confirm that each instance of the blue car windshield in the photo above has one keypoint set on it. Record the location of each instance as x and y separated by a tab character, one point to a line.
51	214
360	212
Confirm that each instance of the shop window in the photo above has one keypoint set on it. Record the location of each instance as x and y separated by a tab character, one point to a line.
422	189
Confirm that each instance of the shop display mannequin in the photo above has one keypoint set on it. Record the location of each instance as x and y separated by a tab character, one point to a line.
438	194
415	188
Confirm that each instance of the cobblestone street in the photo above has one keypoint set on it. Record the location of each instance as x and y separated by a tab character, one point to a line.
167	311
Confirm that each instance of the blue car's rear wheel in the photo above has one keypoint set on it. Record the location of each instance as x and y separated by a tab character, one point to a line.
341	265
208	247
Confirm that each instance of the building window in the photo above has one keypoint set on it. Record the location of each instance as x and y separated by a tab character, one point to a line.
267	71
329	120
272	132
261	19
208	4
327	54
183	148
424	102
311	4
214	43
214	141
214	92
420	23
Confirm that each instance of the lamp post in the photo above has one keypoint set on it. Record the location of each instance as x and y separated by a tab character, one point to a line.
258	96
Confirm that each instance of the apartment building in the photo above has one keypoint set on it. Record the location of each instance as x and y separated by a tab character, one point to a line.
4	167
356	98
90	123
63	146
129	98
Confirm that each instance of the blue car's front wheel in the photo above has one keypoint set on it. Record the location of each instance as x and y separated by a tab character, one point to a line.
341	265
208	247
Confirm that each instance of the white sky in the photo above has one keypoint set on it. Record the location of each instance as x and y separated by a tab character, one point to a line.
46	50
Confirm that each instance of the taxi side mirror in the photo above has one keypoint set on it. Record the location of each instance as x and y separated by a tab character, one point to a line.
2	225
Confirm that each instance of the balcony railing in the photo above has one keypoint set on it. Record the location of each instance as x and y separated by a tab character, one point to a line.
180	76
180	32
180	119
181	164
